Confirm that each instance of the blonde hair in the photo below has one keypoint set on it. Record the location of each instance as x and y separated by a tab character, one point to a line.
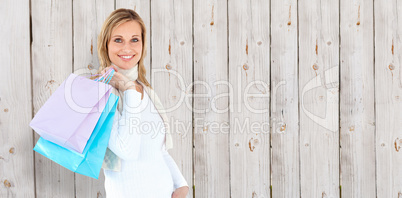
115	19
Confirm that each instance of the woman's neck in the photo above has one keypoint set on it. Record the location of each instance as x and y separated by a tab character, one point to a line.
131	73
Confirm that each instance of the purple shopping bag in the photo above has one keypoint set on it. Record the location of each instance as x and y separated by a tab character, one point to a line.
70	114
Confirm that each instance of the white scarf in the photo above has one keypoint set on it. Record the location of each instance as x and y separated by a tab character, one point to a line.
132	75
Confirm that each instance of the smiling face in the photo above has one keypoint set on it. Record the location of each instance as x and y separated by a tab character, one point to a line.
125	45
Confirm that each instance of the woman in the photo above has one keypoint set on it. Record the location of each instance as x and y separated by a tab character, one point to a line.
138	142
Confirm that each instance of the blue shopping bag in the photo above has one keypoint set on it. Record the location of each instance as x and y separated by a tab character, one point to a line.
90	161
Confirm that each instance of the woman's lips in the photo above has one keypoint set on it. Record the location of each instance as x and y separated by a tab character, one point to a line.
126	58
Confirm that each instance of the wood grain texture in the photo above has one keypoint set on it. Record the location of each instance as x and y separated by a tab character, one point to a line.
16	137
88	17
388	97
52	61
211	138
142	7
319	98
284	100
171	74
249	74
357	119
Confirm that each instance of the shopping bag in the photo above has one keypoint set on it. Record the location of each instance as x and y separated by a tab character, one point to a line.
89	162
69	116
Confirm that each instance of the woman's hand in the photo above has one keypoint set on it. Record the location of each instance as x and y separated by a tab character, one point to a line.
121	82
180	192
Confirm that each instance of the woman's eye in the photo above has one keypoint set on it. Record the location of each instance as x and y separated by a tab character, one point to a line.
135	40
117	40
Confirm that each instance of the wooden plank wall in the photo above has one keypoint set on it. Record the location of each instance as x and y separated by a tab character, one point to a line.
284	99
388	97
249	78
319	98
16	137
266	98
52	62
211	146
357	118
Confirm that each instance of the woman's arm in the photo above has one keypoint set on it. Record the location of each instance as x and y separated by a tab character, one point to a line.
125	138
178	178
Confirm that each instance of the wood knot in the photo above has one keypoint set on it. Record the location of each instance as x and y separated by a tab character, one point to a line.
170	48
90	67
254	195
398	144
48	83
212	23
168	67
251	146
321	98
283	127
245	67
391	67
12	150
6	110
352	128
7	184
92	48
315	67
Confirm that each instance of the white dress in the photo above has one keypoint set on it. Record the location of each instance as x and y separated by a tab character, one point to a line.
138	138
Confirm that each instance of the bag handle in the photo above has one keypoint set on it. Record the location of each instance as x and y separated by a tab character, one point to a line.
106	77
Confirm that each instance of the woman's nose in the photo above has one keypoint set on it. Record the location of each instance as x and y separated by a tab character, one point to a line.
126	48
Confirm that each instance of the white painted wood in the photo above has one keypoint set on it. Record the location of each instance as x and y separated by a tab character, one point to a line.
171	74
52	56
211	148
388	97
142	7
88	18
319	98
284	100
357	117
249	74
16	137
